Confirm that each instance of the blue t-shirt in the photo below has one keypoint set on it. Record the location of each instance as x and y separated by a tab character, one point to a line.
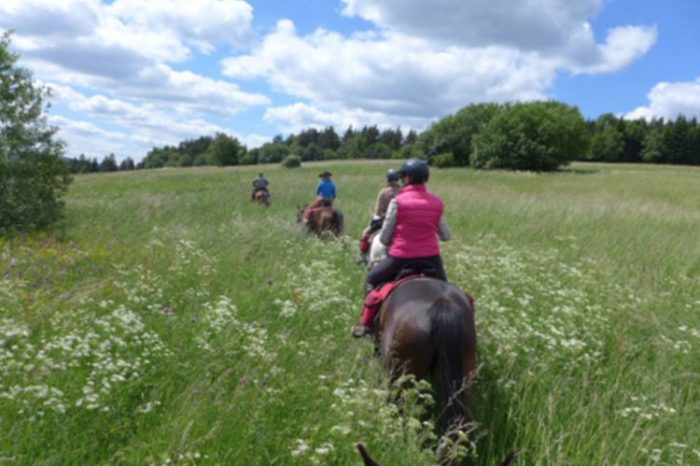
326	189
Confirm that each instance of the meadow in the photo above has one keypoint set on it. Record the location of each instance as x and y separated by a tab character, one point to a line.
171	321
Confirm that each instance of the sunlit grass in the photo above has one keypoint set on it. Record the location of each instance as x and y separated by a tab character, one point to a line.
173	321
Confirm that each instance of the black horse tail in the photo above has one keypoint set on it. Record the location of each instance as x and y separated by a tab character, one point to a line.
448	336
338	222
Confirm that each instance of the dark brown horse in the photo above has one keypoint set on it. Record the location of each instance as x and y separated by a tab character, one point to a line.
262	197
369	461
321	219
427	329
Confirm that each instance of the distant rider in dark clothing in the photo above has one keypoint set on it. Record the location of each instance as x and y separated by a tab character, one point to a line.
260	184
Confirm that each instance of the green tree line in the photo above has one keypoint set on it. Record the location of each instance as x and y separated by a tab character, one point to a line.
540	136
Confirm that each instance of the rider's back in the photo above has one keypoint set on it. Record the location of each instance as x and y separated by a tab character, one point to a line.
417	223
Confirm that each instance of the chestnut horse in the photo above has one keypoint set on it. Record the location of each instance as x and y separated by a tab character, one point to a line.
322	218
262	197
426	328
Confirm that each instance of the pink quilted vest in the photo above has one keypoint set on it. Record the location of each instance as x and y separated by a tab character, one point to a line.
418	217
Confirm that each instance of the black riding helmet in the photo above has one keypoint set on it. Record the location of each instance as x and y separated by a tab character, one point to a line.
392	176
417	169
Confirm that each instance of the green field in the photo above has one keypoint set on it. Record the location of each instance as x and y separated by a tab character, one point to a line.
173	322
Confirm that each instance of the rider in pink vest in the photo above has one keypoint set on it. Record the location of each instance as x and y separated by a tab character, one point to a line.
412	226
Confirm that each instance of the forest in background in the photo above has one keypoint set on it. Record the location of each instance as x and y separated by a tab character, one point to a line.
459	139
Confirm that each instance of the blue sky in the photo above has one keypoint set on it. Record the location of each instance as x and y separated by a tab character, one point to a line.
128	75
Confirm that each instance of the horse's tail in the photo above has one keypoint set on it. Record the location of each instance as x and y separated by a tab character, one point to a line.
448	336
339	222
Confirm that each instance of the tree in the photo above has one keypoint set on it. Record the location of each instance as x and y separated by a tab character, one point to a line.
391	138
33	174
225	150
307	137
411	137
159	157
634	132
127	164
271	152
654	148
538	136
453	134
311	152
607	142
678	136
695	142
195	147
109	164
328	139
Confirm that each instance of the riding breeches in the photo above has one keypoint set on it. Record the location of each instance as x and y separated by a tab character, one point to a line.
389	268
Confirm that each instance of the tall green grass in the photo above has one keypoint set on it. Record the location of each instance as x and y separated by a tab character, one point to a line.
172	321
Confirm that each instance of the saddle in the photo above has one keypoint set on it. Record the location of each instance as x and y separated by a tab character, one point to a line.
376	297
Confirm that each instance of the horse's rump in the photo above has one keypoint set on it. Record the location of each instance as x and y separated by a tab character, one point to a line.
262	196
427	329
321	218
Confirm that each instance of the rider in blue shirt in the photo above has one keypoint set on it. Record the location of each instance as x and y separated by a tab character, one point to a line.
326	187
325	193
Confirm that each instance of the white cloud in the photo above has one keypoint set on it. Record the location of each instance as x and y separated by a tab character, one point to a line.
299	116
669	100
136	127
128	41
201	24
191	91
92	141
523	24
391	75
559	30
163	30
623	46
427	59
50	19
115	64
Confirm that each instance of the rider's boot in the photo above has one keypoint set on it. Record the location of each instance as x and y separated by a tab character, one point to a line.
366	318
359	331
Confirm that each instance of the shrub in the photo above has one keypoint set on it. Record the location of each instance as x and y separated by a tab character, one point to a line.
454	133
291	161
444	160
538	136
